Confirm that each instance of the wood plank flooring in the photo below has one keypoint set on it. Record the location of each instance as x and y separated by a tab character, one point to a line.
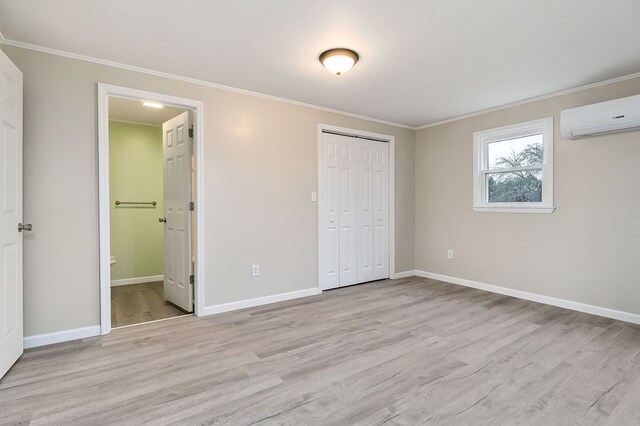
136	303
411	351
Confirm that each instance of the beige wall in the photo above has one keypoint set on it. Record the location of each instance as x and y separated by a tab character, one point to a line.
260	168
587	251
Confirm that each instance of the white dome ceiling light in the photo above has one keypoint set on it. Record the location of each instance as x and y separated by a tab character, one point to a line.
338	61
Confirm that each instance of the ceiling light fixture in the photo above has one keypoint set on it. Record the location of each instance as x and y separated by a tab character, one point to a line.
338	61
152	104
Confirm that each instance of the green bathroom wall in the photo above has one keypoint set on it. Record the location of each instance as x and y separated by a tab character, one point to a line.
135	170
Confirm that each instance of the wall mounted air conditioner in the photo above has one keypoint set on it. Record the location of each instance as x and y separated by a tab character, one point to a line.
618	115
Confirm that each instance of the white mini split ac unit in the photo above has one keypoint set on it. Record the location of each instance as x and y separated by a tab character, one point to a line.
619	115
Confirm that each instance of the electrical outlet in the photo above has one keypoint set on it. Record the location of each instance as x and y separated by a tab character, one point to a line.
255	270
450	254
314	196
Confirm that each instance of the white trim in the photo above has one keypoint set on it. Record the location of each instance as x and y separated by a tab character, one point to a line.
404	274
137	280
135	122
148	71
534	297
488	209
61	336
152	321
113	64
259	301
391	140
104	217
392	205
104	91
531	100
198	152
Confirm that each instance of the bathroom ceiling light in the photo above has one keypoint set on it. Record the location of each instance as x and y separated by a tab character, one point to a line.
152	104
338	61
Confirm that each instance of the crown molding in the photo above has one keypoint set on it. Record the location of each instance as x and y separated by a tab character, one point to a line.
56	52
530	100
162	74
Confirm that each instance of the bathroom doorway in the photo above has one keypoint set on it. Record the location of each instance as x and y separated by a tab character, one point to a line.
149	145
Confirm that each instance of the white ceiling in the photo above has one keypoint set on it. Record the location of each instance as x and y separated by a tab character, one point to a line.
421	61
134	111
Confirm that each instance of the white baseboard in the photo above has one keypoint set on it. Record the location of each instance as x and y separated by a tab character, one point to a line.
258	301
82	333
138	280
548	300
404	274
61	336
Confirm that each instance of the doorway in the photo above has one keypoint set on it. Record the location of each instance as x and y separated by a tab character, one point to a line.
355	207
150	206
141	168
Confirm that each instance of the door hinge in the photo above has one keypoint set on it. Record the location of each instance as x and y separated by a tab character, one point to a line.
191	132
191	279
192	206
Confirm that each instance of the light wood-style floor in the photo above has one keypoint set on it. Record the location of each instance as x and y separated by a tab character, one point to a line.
136	303
411	351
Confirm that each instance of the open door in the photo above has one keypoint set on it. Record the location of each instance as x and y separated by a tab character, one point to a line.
11	327
177	148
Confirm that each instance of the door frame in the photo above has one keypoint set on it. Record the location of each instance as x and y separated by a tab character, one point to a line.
391	140
104	92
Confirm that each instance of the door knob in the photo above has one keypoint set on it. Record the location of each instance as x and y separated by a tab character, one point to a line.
25	227
162	219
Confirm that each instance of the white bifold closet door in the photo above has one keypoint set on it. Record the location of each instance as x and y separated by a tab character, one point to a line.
354	216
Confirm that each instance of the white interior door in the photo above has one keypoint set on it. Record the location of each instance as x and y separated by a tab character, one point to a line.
177	149
354	216
11	327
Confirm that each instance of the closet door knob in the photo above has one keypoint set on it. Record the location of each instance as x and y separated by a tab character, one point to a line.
162	219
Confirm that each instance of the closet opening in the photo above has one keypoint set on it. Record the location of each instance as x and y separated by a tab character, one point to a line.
356	233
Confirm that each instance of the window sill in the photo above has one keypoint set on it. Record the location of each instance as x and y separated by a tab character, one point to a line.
491	209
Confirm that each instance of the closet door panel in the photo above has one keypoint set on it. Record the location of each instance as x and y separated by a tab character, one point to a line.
348	211
330	216
365	212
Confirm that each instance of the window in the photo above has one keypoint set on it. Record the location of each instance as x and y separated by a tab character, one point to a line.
513	168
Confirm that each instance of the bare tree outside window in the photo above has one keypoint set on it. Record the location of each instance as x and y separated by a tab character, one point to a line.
517	185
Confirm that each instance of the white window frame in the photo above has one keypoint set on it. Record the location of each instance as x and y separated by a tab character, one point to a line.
481	141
